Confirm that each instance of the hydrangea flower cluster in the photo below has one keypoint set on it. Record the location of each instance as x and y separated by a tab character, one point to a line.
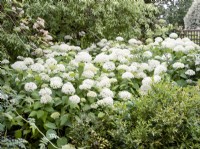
117	72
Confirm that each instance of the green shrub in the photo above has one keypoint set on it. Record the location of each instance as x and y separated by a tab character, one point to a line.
168	117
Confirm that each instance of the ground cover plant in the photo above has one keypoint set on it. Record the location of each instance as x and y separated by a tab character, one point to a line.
69	97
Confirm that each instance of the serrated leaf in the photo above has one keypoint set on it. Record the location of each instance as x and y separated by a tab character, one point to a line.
50	125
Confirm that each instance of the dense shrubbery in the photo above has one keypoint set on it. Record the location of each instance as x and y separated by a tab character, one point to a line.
95	97
80	22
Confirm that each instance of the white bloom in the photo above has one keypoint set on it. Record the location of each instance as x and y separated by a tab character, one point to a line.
90	67
44	76
37	67
178	65
147	54
140	75
108	101
179	48
127	75
147	81
5	61
30	87
45	91
113	80
92	94
173	35
74	99
133	41
158	39
101	58
153	64
64	47
51	62
28	61
104	82
156	78
68	37
120	39
88	74
86	84
19	65
144	89
83	57
106	92
190	72
110	66
56	82
125	95
68	88
59	68
46	98
160	69
38	51
123	67
144	66
94	106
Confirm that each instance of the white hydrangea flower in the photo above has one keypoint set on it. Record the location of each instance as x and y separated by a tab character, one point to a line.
68	88
104	82
88	74
133	41
101	58
69	76
92	94
74	99
120	38
156	78
140	75
110	66
153	64
45	91
173	35
158	39
56	82
179	48
44	77
64	47
147	81
51	62
190	72
94	106
30	87
19	65
5	61
127	75
125	95
143	66
87	84
37	67
106	92
147	54
123	67
178	65
45	99
83	57
90	67
108	101
160	69
144	89
59	68
28	61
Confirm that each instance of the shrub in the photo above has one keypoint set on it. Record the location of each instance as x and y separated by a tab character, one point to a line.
192	18
52	98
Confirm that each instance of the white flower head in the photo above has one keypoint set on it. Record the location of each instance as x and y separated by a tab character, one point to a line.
68	88
56	82
45	91
147	54
92	94
173	35
190	72
46	98
125	95
28	61
19	65
37	67
120	38
83	57
74	99
178	65
30	87
106	92
127	75
109	66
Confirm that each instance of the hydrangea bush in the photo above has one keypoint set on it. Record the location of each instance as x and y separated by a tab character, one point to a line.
66	84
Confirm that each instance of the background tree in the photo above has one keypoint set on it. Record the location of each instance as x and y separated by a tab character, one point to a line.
192	18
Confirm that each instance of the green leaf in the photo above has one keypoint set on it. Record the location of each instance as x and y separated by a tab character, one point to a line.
37	105
18	133
62	141
49	132
40	113
64	119
101	114
50	125
33	113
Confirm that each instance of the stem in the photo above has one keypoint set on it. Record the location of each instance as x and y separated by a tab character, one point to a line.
37	130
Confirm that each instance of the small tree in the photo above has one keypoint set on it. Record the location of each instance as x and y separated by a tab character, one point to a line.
192	18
